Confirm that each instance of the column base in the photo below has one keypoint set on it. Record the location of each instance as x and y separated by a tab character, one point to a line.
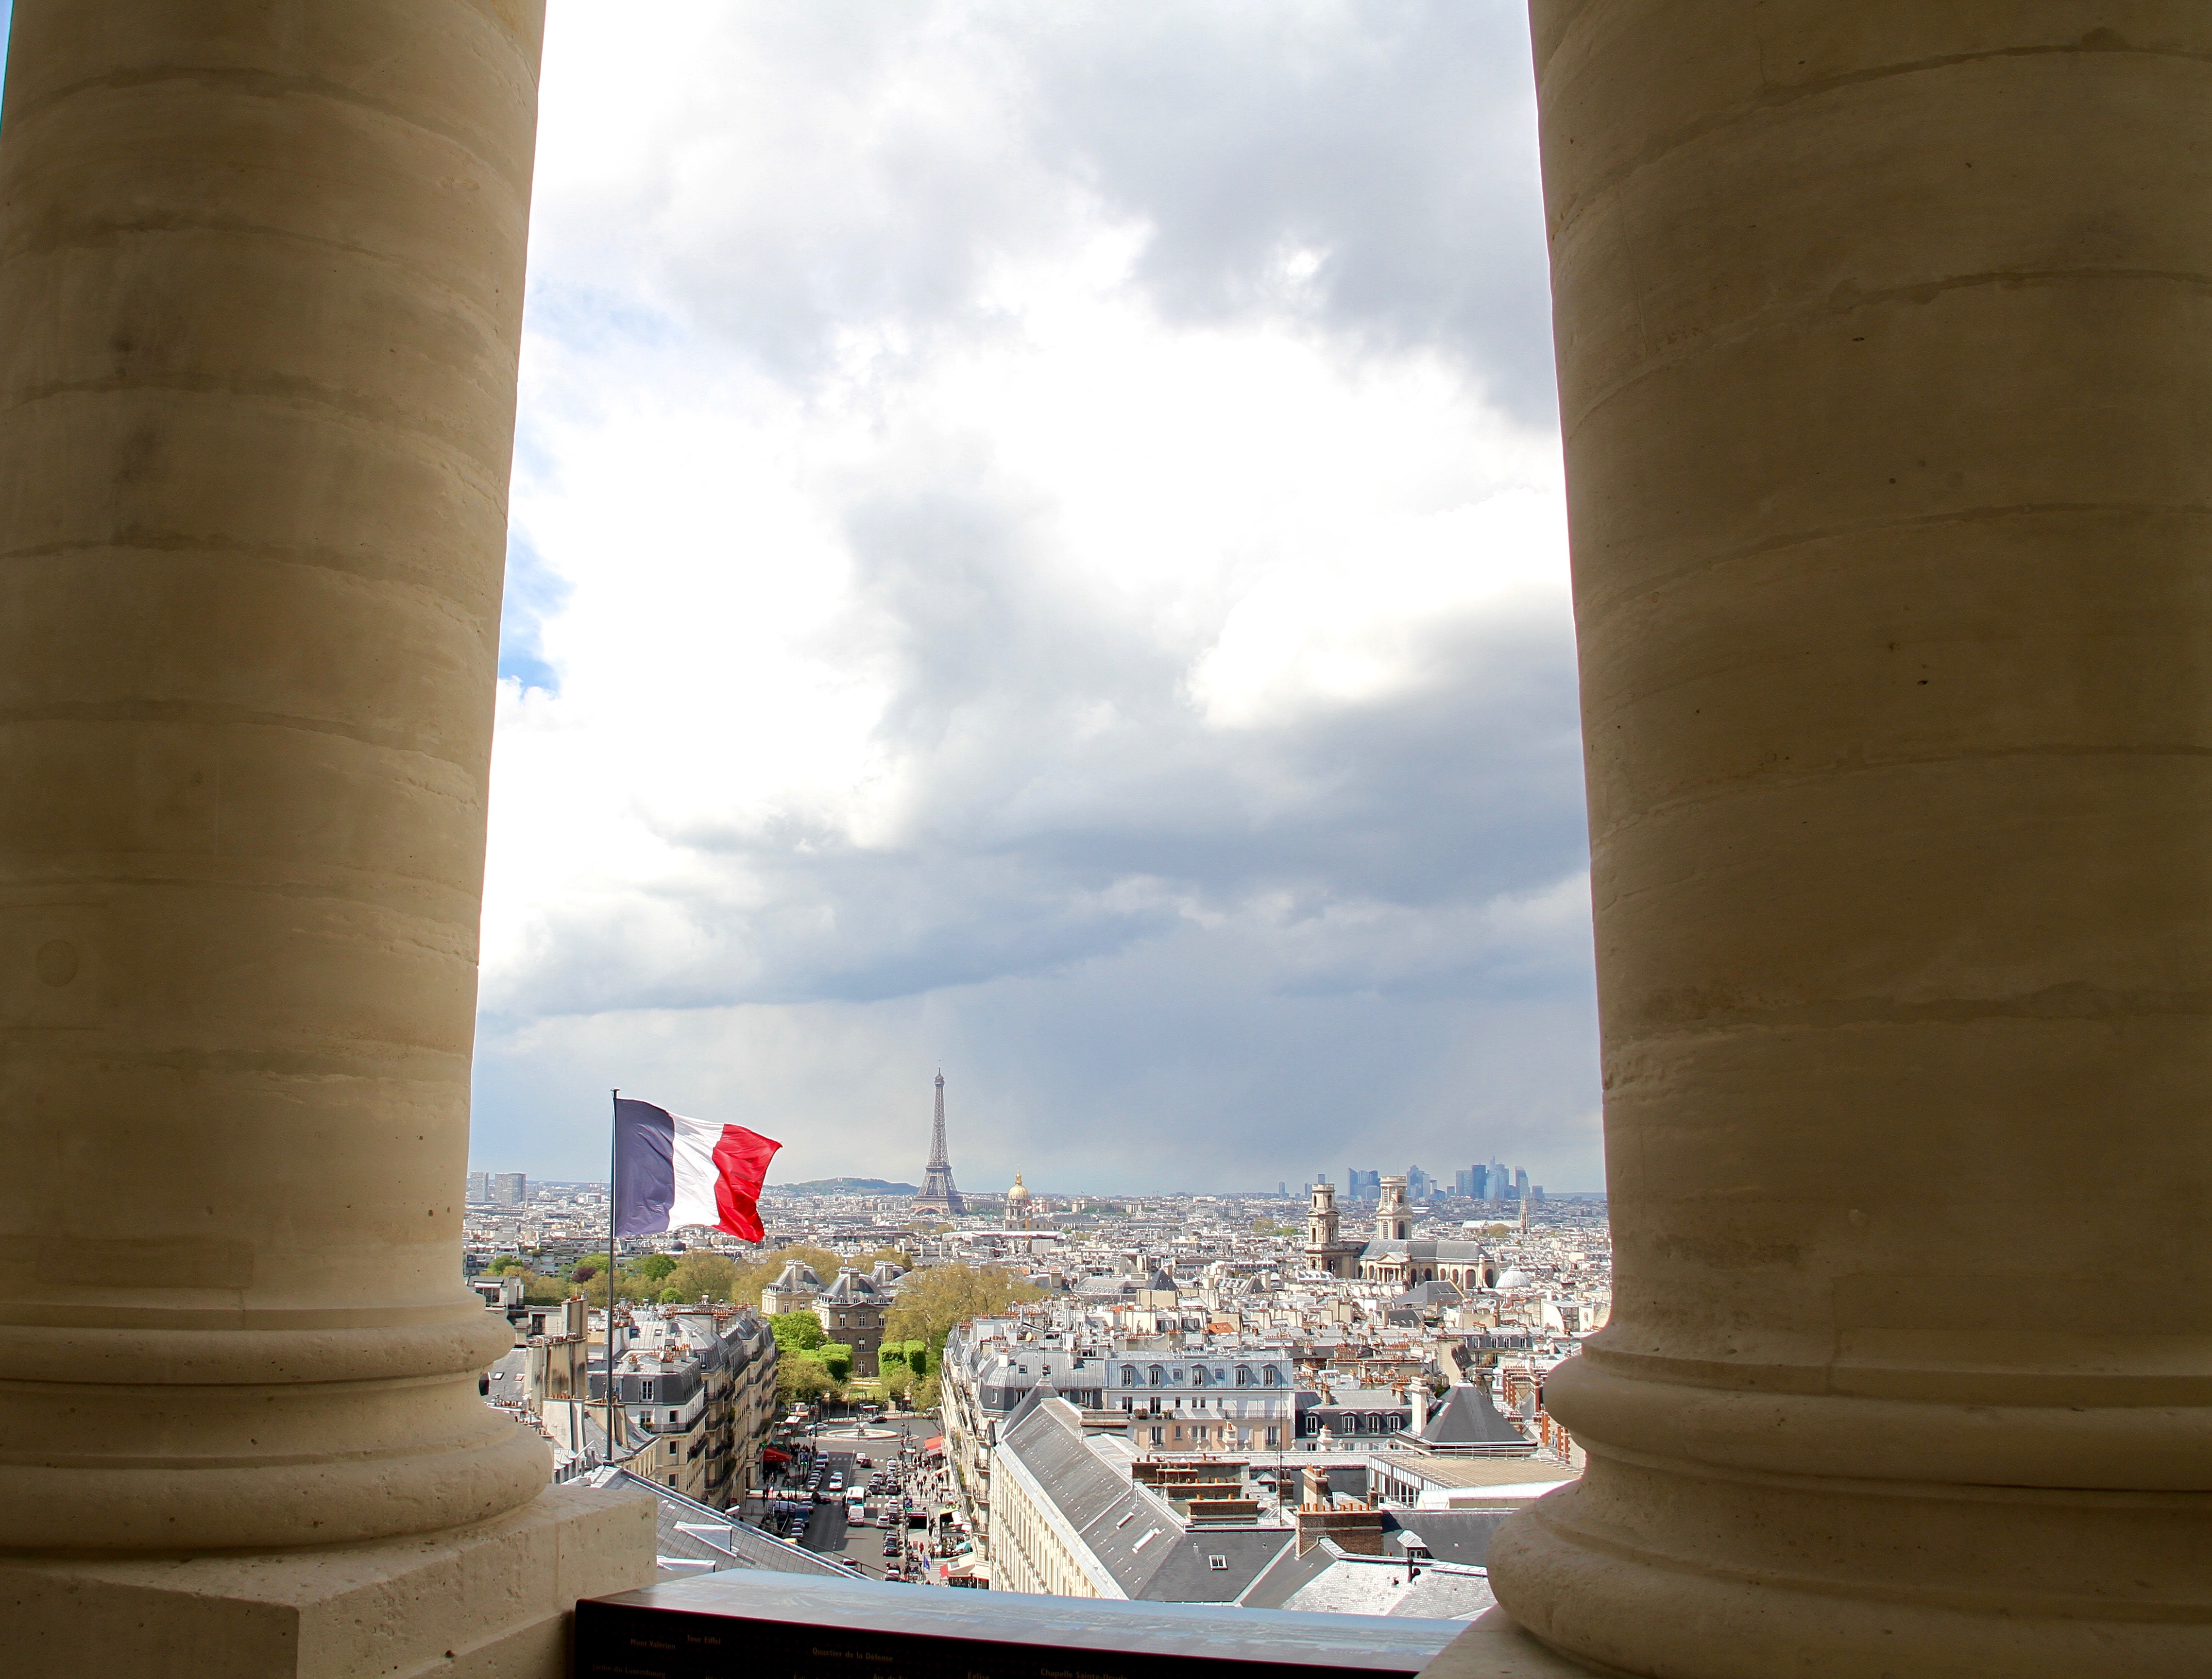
1662	1575
486	1601
1495	1646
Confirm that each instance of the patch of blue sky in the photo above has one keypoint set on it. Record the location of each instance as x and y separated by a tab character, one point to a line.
590	316
534	592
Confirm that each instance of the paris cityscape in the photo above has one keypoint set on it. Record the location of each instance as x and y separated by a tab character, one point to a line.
858	841
916	1382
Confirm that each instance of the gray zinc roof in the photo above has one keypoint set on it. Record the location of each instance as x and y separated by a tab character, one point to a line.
1188	1573
1137	1536
1466	1417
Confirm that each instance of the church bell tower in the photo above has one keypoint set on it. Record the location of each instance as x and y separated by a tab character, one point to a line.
1393	1220
1326	1249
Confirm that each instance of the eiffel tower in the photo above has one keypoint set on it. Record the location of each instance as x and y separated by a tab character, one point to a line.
938	1194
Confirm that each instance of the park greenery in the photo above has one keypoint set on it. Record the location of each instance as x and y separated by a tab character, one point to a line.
931	1302
671	1279
809	1366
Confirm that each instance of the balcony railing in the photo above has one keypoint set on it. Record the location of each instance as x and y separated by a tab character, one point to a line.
709	1626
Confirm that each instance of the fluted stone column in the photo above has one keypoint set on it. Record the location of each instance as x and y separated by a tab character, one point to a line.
1885	337
260	293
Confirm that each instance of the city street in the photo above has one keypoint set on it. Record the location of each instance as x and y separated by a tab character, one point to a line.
842	1443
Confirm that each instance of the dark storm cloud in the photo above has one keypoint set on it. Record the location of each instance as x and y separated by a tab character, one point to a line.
1391	142
1069	801
1155	948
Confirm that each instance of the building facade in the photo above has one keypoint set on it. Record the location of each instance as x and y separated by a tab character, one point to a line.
694	1399
1074	1519
852	1310
796	1288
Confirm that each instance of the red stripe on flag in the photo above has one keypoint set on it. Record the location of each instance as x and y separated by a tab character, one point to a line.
741	1160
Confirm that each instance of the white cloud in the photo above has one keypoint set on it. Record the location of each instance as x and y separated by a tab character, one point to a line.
972	600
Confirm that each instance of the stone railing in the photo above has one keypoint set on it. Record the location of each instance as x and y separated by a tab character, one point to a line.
695	1627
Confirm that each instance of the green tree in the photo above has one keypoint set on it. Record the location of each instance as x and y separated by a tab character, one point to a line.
796	1331
589	1274
836	1358
917	1356
673	1297
800	1378
710	1276
931	1301
653	1267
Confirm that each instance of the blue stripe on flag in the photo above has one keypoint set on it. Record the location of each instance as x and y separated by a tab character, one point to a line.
645	1167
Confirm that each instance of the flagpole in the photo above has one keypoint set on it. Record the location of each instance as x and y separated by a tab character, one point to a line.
614	1183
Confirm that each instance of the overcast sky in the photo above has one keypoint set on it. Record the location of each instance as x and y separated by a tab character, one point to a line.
1038	548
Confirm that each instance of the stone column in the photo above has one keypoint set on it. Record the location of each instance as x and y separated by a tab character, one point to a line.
1885	340
260	297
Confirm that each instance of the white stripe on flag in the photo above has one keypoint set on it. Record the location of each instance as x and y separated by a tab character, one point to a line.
694	1174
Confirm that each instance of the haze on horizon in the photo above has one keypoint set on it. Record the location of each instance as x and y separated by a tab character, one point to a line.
1038	546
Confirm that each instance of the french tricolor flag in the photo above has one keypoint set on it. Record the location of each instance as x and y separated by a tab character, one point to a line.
670	1171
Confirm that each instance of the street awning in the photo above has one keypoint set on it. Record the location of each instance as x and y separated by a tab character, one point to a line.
935	1442
770	1454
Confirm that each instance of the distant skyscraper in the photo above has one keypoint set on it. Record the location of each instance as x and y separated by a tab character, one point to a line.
939	1193
1361	1185
1521	1184
1419	1186
479	1190
1500	1184
1463	1182
509	1189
